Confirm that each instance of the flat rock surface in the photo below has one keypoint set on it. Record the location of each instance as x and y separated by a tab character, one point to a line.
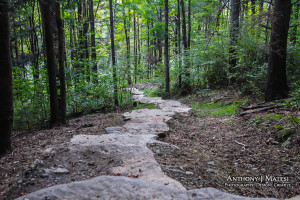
109	187
139	176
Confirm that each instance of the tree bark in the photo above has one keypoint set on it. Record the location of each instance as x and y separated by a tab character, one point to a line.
184	38
93	39
127	37
167	48
276	79
234	32
113	53
135	47
61	61
189	25
186	82
179	44
6	91
51	60
159	16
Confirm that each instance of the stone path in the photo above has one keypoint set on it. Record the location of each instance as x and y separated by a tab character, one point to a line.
129	143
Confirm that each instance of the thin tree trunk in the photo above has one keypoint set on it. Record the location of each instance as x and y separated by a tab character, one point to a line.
93	39
51	61
148	45
61	59
85	37
268	21
139	42
167	48
234	32
189	26
276	79
186	53
159	39
127	37
113	54
184	37
135	47
179	44
6	90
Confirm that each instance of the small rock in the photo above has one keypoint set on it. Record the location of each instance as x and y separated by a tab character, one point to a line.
36	163
56	171
211	163
48	151
87	125
44	175
210	171
189	173
61	171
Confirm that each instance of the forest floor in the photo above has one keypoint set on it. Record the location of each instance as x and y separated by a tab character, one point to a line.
41	158
214	142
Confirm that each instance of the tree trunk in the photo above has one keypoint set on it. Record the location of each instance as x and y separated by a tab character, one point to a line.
158	38
276	79
189	25
184	38
139	42
127	37
179	44
51	61
135	47
167	48
113	53
234	32
61	59
93	39
6	91
85	38
148	45
186	82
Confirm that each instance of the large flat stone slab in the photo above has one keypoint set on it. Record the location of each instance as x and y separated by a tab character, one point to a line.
139	128
147	115
122	188
138	160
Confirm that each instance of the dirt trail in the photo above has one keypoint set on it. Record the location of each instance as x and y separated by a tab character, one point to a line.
137	175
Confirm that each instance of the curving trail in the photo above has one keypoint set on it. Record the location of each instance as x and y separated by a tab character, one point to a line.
129	143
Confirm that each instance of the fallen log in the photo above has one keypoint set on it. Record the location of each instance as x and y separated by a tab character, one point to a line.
258	110
263	105
256	106
223	99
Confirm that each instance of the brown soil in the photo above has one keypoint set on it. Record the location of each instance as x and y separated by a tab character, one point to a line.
213	148
23	170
